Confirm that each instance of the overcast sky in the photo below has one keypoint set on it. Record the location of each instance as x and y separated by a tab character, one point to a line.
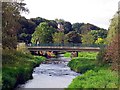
97	12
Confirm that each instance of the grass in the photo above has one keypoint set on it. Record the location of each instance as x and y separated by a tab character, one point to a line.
92	79
67	54
94	75
17	68
81	65
85	61
83	54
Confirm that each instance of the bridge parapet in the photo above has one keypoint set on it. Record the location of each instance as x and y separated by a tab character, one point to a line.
70	48
67	45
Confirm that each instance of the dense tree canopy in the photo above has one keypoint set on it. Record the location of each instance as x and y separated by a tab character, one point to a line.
87	39
58	37
99	34
67	27
28	28
76	27
43	33
74	37
29	25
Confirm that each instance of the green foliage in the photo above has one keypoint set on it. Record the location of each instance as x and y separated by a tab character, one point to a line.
85	61
17	67
29	25
73	37
100	56
67	27
99	34
113	28
67	54
10	24
91	55
112	55
83	55
81	64
76	27
87	39
58	37
100	41
92	79
43	33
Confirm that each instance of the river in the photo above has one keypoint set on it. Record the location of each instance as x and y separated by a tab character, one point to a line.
54	73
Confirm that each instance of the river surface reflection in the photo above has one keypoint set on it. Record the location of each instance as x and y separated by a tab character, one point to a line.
54	73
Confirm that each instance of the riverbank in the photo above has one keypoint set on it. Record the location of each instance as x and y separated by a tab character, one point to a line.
17	68
94	75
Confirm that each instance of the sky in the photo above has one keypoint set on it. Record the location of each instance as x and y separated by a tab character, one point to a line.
97	12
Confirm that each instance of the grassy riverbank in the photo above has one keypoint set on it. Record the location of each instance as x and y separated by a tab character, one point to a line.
94	75
17	68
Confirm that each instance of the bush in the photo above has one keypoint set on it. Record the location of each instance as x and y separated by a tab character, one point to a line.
92	79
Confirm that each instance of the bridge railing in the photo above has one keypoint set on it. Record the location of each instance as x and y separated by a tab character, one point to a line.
68	45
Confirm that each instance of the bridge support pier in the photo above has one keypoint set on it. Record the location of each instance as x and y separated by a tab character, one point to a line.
74	54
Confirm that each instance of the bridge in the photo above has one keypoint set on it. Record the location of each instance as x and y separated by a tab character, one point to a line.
61	47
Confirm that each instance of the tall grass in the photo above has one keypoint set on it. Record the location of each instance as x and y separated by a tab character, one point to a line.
17	67
94	75
92	79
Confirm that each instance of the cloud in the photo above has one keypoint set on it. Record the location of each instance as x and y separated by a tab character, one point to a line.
98	12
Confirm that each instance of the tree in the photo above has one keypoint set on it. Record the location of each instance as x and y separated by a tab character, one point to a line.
99	34
87	39
67	27
76	27
26	30
112	54
52	23
73	37
38	20
113	28
10	25
43	33
58	37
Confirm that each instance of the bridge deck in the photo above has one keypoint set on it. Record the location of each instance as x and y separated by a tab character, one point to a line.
62	48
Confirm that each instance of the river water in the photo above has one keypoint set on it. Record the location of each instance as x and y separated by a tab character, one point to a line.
54	73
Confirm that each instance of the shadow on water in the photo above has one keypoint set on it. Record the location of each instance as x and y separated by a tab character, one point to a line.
53	73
